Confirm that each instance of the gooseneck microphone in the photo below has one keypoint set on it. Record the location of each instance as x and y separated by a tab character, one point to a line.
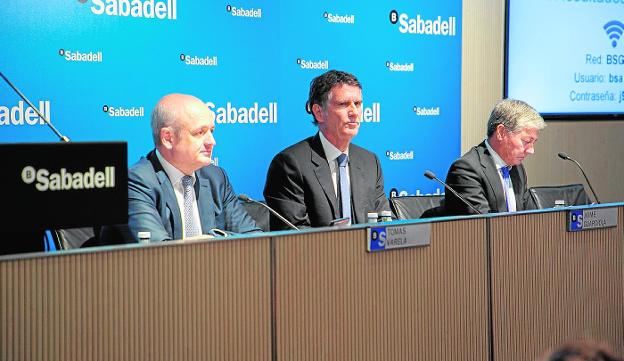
245	198
429	174
565	156
58	134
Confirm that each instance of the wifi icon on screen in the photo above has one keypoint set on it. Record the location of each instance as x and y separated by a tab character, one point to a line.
614	31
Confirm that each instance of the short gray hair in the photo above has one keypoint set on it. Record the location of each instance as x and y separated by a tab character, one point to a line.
163	115
515	115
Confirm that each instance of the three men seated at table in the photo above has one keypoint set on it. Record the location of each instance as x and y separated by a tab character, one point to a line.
176	193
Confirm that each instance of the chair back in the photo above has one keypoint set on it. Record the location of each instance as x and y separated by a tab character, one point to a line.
571	194
412	207
70	238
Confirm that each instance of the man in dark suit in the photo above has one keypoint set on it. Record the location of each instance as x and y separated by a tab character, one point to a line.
325	177
490	176
175	192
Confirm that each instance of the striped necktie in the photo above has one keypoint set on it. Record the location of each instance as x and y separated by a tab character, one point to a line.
190	227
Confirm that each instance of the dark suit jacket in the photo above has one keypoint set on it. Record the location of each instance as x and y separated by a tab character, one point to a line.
299	185
476	178
152	204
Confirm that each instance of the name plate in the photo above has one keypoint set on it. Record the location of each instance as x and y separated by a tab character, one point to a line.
385	238
585	219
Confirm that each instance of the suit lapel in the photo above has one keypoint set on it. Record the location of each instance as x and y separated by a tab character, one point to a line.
492	178
204	203
518	184
322	172
357	176
168	196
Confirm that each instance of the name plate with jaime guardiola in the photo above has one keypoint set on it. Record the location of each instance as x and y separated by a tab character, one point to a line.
586	219
384	238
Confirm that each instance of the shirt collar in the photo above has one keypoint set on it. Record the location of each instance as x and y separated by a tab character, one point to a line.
331	152
498	161
173	173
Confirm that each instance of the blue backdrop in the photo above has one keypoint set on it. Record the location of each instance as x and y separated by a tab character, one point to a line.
97	67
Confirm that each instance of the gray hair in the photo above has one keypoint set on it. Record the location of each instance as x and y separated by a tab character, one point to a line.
515	115
163	115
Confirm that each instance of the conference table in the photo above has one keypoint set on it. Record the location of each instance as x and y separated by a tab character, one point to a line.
491	287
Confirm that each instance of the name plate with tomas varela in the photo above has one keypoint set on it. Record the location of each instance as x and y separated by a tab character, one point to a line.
592	218
383	238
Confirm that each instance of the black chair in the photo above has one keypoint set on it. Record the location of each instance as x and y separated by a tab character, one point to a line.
412	207
112	234
70	238
571	194
259	214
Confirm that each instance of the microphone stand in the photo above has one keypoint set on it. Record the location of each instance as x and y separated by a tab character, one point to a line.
564	156
246	198
62	138
429	174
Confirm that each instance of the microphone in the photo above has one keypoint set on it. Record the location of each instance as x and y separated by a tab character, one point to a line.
245	198
565	156
429	174
58	134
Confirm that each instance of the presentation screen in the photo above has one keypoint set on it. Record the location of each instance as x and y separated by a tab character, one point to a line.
566	57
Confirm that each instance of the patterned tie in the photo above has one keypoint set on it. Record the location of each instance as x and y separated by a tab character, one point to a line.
510	199
345	189
190	228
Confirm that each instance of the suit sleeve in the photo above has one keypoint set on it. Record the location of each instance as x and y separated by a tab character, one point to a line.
142	212
237	219
468	183
527	200
381	200
283	191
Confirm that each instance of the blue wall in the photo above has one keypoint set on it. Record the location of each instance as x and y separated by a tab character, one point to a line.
263	60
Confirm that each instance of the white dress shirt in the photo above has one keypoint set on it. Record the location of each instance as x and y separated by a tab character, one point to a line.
175	176
331	154
500	163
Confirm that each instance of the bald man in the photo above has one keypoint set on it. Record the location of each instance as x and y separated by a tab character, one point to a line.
175	192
